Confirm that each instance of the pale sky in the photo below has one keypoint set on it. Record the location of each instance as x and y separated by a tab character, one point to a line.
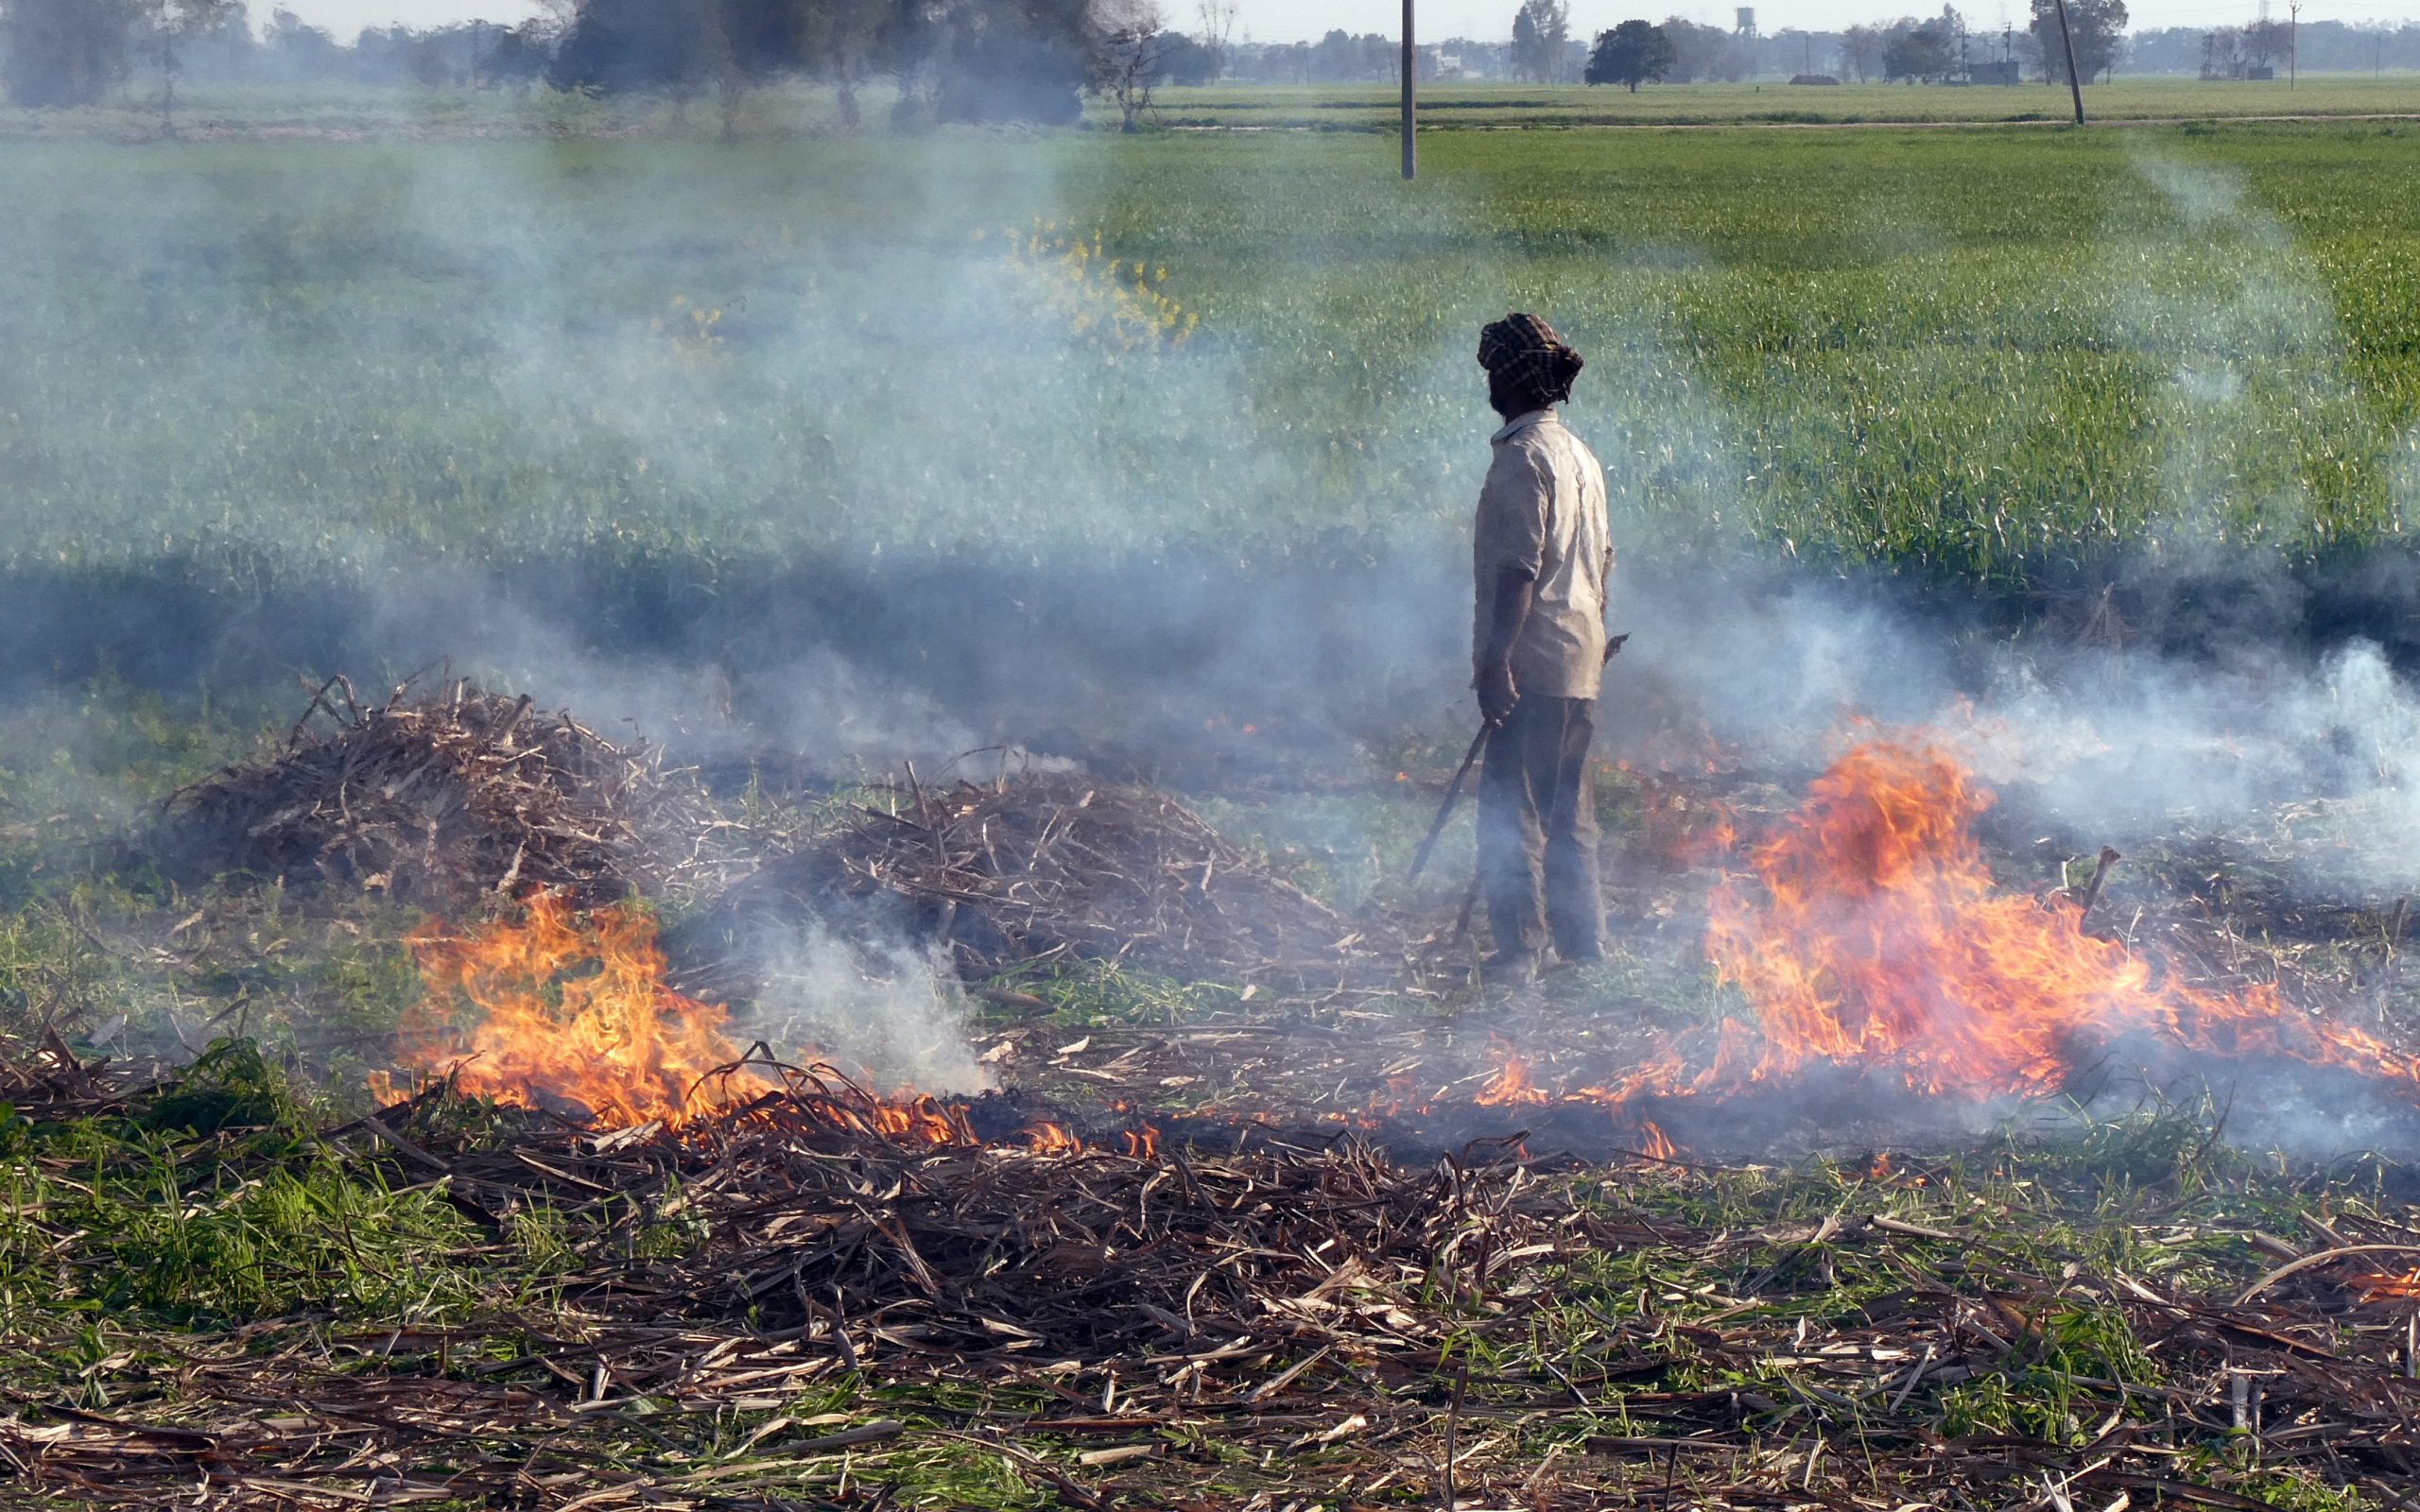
1307	20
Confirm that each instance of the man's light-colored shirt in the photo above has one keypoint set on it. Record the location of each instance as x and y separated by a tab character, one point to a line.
1543	510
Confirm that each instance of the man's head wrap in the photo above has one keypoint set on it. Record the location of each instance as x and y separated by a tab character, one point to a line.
1525	352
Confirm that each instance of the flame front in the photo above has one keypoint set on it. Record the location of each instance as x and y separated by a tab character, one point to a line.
1872	935
1877	937
571	1010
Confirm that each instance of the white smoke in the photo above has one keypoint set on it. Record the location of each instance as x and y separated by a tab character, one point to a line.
887	1014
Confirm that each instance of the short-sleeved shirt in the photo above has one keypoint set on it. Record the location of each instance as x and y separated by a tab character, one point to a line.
1543	510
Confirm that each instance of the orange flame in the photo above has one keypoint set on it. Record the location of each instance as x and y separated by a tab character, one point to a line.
1052	1139
1880	937
1655	1144
1512	1082
571	1010
2376	1286
911	1118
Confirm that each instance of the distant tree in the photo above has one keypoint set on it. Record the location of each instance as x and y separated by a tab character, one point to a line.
840	40
173	26
1925	50
1190	61
1861	51
1333	56
2264	44
295	50
63	52
1632	53
1217	19
2099	28
1129	45
1015	60
1541	35
617	47
1702	52
519	58
907	37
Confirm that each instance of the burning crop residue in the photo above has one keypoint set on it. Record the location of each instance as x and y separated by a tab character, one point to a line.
566	1009
1870	937
1877	935
1875	949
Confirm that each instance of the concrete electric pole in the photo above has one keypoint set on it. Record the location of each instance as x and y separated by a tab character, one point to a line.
1411	96
2075	81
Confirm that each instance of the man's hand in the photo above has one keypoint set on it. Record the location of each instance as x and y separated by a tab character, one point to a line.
1497	693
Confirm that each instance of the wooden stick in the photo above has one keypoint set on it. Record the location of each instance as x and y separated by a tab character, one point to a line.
1453	795
1453	1421
2092	889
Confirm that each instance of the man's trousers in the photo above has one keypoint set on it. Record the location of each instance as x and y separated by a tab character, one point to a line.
1537	830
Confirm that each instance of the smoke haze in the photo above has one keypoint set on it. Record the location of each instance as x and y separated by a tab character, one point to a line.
893	471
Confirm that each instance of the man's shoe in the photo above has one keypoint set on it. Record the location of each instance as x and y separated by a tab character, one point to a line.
1508	969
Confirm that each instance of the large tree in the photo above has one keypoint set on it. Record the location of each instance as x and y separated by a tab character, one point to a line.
1861	51
1016	60
1702	52
2098	28
1921	50
2264	44
63	52
1632	53
1541	35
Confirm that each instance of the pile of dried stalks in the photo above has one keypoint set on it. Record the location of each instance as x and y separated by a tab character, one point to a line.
442	799
934	1246
1041	867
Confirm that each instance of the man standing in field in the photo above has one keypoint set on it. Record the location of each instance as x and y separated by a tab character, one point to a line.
1542	551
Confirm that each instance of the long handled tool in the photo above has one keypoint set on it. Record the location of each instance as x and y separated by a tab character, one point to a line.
1453	795
1462	774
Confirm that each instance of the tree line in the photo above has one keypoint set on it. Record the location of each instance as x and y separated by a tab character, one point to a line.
1932	50
948	60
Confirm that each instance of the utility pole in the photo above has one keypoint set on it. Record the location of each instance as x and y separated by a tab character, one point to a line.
2075	81
1411	96
2293	36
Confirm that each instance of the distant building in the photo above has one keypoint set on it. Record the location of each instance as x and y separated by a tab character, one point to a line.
1995	74
2261	71
1812	78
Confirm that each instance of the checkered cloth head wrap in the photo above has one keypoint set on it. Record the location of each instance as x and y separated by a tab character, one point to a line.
1526	353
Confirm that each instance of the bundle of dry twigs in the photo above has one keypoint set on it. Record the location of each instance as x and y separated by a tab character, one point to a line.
439	799
1040	868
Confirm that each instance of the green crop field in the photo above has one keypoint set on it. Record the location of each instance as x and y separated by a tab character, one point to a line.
1500	105
1977	351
